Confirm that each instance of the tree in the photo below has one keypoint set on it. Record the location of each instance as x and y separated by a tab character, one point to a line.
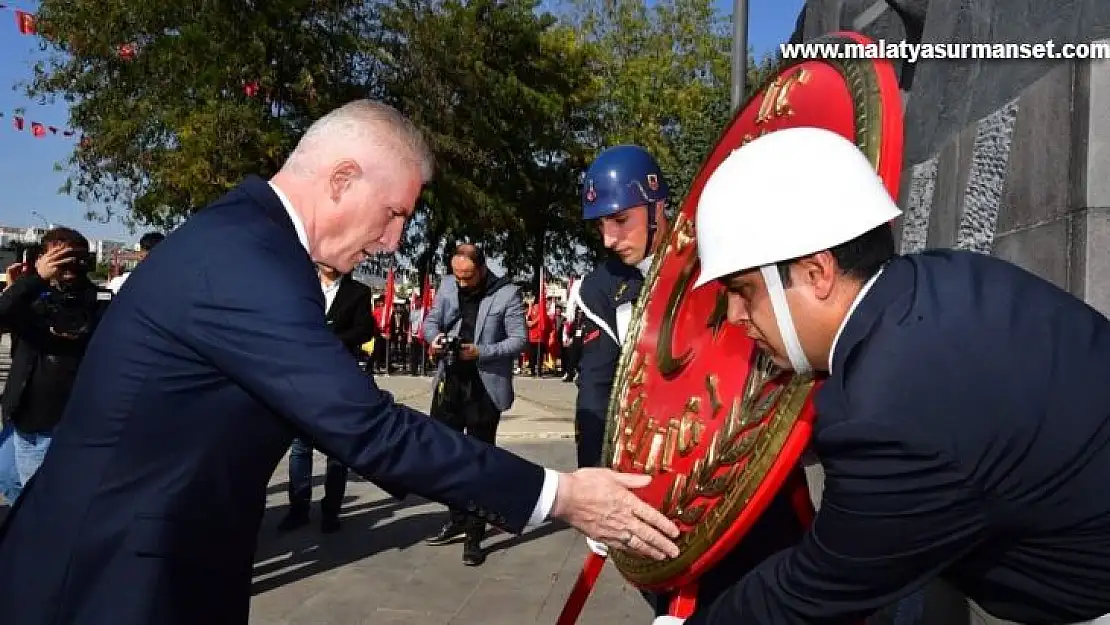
666	74
503	114
177	101
693	140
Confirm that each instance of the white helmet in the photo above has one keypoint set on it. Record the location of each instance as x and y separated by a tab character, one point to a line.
789	193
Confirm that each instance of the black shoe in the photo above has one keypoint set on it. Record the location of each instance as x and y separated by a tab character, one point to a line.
472	553
293	520
447	534
329	524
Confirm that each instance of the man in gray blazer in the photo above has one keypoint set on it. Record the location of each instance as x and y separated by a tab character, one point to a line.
476	327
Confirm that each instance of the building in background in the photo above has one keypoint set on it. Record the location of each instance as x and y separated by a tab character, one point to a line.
20	235
104	249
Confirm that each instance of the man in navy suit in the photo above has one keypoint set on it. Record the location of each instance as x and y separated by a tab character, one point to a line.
209	363
964	425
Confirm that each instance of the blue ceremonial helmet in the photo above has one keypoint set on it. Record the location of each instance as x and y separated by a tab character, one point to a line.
620	178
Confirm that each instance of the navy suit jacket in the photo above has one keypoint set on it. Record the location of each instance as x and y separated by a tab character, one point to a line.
210	360
965	433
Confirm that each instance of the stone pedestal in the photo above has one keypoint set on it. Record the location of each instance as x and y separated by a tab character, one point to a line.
1029	183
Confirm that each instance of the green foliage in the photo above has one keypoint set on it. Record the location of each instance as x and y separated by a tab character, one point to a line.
665	72
172	127
500	91
514	101
702	130
100	272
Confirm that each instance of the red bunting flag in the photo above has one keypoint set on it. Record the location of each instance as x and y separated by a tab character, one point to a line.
38	130
26	22
17	121
251	89
127	51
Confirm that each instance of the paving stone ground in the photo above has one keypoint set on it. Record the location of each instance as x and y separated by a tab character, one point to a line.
377	571
544	407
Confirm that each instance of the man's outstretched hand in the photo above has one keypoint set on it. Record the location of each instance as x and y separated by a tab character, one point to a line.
598	502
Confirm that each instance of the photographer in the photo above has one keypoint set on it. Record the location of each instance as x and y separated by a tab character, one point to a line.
476	327
51	311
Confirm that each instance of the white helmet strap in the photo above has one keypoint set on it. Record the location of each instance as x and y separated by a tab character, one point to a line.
777	294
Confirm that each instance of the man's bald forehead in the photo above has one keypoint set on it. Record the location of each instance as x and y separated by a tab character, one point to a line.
470	252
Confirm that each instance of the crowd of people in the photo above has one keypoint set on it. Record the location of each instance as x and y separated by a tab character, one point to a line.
553	347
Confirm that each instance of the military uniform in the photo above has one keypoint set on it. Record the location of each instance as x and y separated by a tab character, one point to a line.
606	299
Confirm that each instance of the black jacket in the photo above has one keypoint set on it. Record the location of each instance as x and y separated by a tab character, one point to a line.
605	289
350	317
965	434
32	342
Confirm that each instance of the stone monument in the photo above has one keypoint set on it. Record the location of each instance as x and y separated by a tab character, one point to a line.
1006	157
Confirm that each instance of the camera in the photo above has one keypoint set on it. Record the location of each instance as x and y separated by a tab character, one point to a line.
450	345
71	312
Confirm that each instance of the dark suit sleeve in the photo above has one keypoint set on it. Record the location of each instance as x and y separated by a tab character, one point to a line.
260	321
597	368
363	327
893	517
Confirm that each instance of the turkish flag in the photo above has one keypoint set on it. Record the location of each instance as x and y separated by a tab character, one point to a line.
127	51
390	293
38	130
26	22
542	303
425	304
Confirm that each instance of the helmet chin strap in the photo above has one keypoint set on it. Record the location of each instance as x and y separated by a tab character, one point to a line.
653	227
785	321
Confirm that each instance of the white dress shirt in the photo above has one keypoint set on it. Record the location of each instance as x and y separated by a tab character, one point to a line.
550	478
329	294
115	283
851	309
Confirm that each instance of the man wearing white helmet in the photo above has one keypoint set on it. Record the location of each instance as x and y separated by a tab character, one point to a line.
964	425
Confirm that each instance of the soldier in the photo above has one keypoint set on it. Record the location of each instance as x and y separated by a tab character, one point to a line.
625	192
964	425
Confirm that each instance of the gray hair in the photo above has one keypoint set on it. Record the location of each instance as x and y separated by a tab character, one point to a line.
363	122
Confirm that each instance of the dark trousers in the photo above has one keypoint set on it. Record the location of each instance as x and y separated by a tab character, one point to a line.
535	359
417	359
462	404
571	356
378	357
300	481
